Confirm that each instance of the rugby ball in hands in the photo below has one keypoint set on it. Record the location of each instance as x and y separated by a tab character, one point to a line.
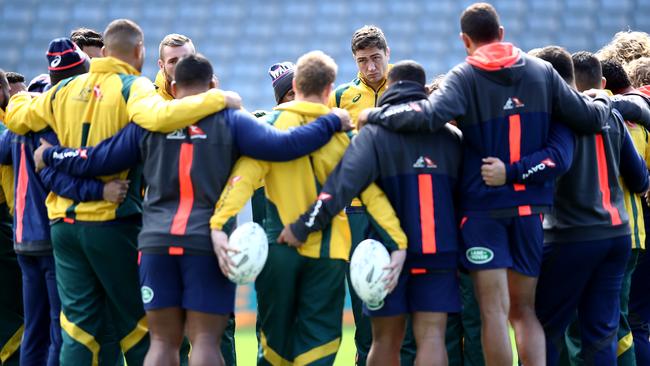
367	272
253	246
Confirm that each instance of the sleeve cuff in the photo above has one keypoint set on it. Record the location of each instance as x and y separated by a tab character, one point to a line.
299	231
511	173
47	156
373	116
335	121
98	191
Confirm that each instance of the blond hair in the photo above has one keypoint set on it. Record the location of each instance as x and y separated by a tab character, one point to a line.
626	47
639	72
315	71
174	40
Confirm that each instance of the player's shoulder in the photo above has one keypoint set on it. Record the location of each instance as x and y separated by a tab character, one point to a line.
346	88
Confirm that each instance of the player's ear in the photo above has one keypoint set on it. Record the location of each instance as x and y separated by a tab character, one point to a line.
467	42
502	33
603	82
103	51
174	89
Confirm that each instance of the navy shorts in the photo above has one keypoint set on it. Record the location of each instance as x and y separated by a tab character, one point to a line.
421	290
191	282
515	242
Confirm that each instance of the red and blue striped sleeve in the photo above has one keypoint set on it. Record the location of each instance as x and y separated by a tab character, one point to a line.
548	163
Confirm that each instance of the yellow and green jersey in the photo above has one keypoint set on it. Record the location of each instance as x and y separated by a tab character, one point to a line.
356	96
89	108
633	201
291	187
160	83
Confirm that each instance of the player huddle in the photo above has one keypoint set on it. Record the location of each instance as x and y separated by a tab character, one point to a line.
505	196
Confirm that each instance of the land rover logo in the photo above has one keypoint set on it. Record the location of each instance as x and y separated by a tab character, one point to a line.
479	255
147	294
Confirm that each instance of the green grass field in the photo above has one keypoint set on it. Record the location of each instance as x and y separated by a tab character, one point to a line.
247	346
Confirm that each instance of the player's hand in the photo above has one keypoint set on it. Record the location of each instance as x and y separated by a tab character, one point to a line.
115	191
346	122
362	119
223	250
286	236
38	155
593	93
493	172
397	259
233	100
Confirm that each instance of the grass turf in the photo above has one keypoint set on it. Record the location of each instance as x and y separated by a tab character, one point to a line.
247	345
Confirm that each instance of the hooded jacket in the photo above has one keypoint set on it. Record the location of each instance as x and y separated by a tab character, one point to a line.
589	202
503	101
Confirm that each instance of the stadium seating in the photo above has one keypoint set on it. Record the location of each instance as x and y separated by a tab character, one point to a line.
242	38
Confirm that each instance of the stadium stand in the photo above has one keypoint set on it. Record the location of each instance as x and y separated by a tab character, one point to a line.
242	38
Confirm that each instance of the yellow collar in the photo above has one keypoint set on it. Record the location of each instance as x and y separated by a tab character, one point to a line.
304	108
160	84
111	65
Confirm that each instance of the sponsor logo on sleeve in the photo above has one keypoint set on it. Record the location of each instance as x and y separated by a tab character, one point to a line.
546	163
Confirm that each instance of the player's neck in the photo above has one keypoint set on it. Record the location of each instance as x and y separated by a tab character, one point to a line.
310	98
375	86
188	91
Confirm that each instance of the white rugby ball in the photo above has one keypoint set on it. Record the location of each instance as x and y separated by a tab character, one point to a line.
367	272
250	239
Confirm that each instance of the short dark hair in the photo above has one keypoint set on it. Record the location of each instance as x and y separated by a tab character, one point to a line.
4	90
121	35
368	36
193	70
85	37
617	78
587	70
407	70
14	77
480	22
560	59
